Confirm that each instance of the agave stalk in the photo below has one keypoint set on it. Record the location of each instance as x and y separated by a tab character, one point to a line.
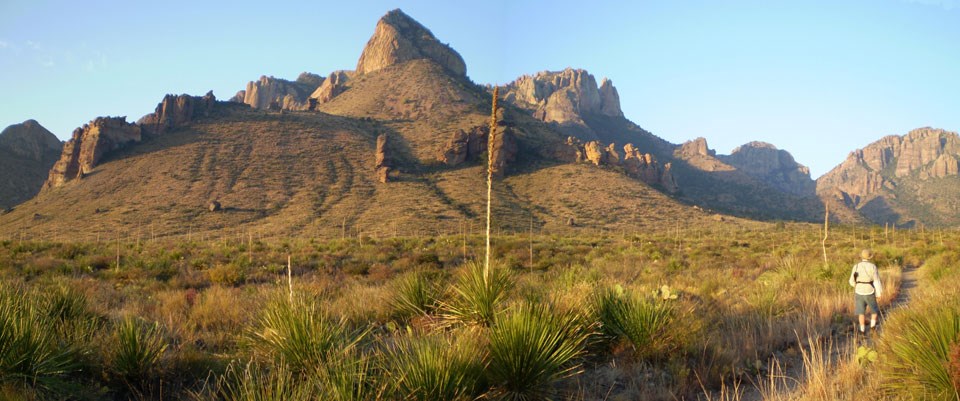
493	132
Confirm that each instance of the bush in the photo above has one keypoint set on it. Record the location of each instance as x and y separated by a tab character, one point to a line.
642	322
414	294
301	336
533	347
476	300
435	368
138	349
32	354
918	345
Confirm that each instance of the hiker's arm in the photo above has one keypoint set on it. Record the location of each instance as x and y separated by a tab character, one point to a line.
853	283
877	282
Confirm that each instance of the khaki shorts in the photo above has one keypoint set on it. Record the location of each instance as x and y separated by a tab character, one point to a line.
861	301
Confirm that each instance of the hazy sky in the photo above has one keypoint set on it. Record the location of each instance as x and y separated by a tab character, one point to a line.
817	78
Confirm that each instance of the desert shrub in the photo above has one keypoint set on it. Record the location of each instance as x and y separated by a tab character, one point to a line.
476	300
640	321
226	274
435	368
32	354
917	347
301	336
415	294
253	382
136	348
531	348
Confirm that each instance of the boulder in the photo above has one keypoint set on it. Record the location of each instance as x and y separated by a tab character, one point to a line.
214	206
399	38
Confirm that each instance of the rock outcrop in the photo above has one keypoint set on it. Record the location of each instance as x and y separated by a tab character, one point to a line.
503	151
564	96
772	166
334	85
27	152
88	145
696	147
176	110
269	93
399	38
464	146
643	166
383	163
922	154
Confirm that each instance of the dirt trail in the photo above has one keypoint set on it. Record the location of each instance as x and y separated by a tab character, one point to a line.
793	367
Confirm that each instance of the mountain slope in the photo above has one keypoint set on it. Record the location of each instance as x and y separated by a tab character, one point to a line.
903	180
314	172
27	152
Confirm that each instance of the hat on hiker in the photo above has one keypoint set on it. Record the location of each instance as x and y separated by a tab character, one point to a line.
866	254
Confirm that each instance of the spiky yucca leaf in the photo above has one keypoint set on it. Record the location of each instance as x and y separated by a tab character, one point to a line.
919	344
642	323
414	294
436	367
476	300
301	336
531	348
138	349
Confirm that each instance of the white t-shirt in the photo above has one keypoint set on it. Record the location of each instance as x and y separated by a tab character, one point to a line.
867	274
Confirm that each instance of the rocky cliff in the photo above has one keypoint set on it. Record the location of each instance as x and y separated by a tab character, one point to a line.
269	93
334	85
88	145
91	142
773	166
399	38
27	152
899	178
643	166
176	110
564	96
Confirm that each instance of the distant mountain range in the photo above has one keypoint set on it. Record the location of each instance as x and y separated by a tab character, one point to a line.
398	145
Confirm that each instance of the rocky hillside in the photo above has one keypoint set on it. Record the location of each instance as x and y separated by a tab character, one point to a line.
394	148
902	180
27	152
773	166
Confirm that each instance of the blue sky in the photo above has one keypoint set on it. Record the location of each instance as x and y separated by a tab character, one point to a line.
817	78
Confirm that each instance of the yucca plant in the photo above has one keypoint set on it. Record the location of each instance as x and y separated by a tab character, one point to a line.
137	349
252	382
350	378
301	336
476	299
640	322
414	294
31	352
435	367
917	353
531	348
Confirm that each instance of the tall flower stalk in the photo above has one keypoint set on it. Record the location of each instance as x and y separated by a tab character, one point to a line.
493	132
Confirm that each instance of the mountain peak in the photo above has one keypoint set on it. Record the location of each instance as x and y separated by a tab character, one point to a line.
399	38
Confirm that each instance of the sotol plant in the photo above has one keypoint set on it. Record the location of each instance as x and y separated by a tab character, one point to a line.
643	323
476	297
531	348
436	367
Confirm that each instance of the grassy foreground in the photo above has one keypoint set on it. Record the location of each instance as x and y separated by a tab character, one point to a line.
633	316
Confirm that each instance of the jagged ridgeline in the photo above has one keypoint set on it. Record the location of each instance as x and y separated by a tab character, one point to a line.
397	146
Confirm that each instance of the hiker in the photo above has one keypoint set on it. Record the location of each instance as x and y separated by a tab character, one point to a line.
867	288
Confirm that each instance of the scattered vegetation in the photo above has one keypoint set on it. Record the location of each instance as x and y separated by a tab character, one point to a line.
708	313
